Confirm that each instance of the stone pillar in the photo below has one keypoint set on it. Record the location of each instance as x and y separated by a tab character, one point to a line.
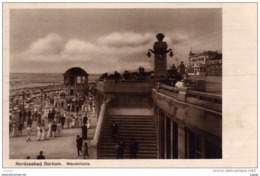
181	142
160	59
182	94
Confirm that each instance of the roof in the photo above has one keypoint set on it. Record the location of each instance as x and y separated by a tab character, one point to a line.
217	57
75	71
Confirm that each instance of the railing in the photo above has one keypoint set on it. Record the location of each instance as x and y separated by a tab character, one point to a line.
167	90
94	145
207	100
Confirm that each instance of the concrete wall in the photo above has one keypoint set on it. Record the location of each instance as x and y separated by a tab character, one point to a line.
187	114
127	94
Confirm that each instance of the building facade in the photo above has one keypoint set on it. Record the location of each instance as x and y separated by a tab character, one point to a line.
205	63
75	81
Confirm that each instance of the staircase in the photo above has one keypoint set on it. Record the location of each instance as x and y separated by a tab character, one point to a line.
141	128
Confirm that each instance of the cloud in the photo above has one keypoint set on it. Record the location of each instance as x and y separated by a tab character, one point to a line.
49	45
125	39
115	51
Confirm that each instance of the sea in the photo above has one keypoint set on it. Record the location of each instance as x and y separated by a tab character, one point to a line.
30	80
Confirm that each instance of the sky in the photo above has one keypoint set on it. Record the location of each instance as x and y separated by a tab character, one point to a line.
105	40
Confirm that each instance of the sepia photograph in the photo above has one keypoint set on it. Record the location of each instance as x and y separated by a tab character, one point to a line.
117	84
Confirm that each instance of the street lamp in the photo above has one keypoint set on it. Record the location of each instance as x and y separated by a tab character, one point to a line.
160	47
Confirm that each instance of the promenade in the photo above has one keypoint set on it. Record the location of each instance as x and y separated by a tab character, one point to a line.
63	147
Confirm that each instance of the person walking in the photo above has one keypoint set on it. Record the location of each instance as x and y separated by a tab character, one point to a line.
42	130
39	131
68	121
59	129
20	129
29	131
29	114
20	115
119	151
85	119
54	129
77	108
62	120
114	130
80	120
49	134
29	121
24	116
73	121
85	151
14	128
76	121
133	148
79	142
84	132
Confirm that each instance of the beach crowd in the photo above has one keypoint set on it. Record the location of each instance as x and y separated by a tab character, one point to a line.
59	113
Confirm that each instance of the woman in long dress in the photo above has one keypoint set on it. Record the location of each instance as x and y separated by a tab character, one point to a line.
76	122
85	151
43	131
39	131
80	120
49	135
14	129
59	129
88	123
73	122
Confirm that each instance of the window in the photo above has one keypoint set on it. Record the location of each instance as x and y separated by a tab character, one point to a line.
78	80
66	80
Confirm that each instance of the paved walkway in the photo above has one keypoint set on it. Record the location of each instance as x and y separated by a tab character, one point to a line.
55	148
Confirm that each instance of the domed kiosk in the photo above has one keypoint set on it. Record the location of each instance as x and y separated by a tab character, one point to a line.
76	81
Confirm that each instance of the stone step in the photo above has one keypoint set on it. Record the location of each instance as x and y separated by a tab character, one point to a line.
131	125
134	134
110	119
108	130
128	138
141	149
145	152
134	124
128	157
129	116
141	128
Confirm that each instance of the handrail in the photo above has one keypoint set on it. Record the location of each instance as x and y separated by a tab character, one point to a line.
208	100
171	89
204	94
95	142
100	120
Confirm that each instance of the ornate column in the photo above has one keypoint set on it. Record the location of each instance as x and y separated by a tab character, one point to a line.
160	59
